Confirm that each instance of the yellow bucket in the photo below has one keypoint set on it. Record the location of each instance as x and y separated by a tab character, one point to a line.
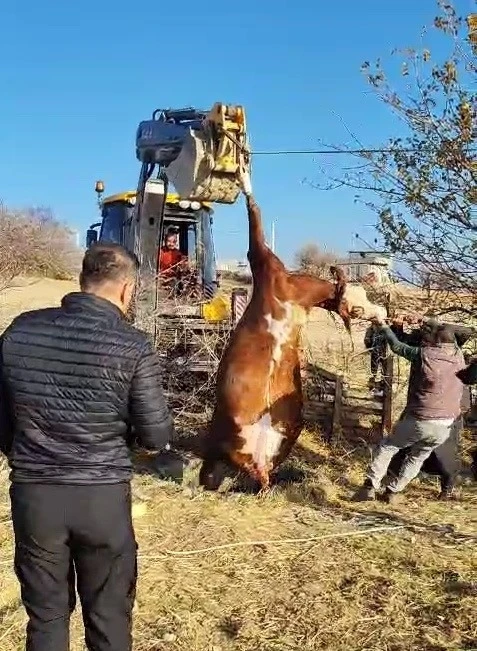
218	309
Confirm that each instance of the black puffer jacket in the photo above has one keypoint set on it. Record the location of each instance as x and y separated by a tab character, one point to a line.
74	380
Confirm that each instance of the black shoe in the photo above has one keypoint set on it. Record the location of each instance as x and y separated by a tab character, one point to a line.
171	464
366	493
446	495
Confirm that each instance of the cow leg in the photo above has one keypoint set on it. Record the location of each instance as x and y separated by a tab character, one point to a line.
264	479
209	477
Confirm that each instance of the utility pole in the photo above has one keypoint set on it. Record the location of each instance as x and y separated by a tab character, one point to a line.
272	239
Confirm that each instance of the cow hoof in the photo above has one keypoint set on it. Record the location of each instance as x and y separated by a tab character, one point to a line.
208	477
265	490
447	496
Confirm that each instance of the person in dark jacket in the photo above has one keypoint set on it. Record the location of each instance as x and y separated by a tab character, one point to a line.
468	376
376	343
74	380
433	404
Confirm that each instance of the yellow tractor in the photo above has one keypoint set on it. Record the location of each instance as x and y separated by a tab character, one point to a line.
205	156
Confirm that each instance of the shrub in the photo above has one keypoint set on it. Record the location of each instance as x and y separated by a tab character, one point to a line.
33	242
313	260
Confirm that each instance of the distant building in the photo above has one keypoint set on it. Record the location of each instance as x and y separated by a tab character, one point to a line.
375	265
75	236
234	266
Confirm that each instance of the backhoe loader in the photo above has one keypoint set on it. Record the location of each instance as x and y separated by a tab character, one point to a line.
204	155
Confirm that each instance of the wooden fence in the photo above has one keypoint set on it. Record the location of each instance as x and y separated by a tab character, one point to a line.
335	405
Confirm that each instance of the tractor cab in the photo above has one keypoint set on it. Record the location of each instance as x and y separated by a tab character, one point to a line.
186	223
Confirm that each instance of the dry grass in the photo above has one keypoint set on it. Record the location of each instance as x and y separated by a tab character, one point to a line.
408	589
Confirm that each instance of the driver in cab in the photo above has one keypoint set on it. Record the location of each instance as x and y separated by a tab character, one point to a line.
172	263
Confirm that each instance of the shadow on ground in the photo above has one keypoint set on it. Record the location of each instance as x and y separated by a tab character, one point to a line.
316	474
182	466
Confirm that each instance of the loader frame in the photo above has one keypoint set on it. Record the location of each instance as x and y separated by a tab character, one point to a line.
189	345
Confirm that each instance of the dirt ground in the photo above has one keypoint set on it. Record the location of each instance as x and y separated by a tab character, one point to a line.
302	568
31	294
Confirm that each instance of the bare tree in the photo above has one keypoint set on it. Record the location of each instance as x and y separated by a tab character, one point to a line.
423	186
313	260
32	242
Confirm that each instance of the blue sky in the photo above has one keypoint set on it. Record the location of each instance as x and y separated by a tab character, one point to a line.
77	78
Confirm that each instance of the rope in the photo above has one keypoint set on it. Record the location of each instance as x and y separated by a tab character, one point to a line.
282	541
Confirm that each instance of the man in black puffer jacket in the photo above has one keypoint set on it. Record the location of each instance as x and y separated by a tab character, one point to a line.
73	381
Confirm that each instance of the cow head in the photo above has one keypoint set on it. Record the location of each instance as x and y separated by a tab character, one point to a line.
351	302
355	303
338	303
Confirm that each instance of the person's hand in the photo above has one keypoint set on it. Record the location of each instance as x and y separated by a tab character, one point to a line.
399	319
378	321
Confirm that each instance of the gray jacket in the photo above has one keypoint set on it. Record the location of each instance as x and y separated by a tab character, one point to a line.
435	391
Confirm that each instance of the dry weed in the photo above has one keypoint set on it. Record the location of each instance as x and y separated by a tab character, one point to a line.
407	589
32	242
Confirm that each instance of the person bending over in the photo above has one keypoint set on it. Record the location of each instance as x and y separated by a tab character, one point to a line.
433	403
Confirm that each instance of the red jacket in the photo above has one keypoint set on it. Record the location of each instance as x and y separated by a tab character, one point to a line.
169	260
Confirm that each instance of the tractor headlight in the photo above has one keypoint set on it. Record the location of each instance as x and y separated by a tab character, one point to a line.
185	205
195	205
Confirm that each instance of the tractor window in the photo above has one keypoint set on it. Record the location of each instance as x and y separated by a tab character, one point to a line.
186	237
114	216
191	243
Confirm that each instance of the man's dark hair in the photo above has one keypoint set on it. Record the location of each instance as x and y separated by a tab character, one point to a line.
434	333
107	262
445	334
171	232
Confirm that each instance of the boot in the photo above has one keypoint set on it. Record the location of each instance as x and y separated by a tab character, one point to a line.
366	493
446	496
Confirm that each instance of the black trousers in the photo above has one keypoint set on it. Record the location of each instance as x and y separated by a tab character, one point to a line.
81	537
377	361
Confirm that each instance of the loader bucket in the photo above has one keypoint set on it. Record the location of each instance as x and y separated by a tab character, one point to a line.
196	173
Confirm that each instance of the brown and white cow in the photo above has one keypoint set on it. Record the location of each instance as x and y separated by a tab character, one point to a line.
258	412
